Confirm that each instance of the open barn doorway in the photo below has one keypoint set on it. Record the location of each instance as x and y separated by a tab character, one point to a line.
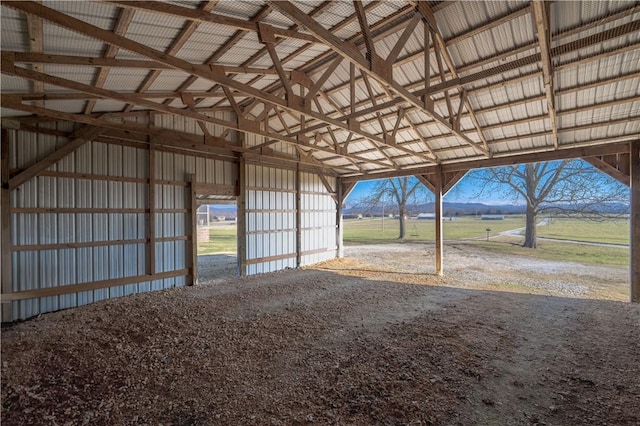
216	222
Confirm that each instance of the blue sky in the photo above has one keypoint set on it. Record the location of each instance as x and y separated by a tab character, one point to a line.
463	192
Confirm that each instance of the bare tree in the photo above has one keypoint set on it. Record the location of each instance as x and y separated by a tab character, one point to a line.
401	192
568	186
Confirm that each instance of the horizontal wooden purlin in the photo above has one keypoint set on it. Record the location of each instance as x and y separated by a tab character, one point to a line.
96	285
86	244
45	58
197	15
525	156
270	258
72	175
215	189
79	96
167	138
75	210
318	251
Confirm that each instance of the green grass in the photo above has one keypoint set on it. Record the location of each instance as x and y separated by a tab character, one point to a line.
557	251
222	239
369	231
610	231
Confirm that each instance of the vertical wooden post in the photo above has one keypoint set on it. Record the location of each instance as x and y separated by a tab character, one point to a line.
634	265
151	218
339	223
5	220
242	218
298	220
438	219
194	230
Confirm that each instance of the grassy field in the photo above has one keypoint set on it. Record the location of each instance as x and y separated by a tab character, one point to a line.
613	231
610	231
558	251
222	239
369	231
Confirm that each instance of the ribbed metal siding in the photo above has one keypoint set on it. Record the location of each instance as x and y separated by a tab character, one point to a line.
35	269
318	220
270	218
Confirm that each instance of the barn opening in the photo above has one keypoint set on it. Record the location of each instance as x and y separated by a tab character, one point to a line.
216	239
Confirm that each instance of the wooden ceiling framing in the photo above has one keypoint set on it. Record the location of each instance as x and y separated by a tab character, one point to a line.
400	94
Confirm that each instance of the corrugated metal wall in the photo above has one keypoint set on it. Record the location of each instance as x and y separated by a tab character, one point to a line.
85	219
271	219
318	220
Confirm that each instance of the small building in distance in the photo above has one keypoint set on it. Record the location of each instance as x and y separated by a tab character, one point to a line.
426	216
492	217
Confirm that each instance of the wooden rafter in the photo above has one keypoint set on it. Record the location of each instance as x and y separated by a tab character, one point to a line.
177	44
210	18
353	55
122	24
214	75
541	18
34	27
227	46
12	102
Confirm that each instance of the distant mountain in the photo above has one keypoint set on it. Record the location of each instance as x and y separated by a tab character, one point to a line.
466	209
448	209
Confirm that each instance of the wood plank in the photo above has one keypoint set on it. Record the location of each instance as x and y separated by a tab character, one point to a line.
525	156
95	285
542	21
84	135
339	220
198	15
62	246
120	28
242	217
607	168
151	216
6	263
439	246
298	221
34	28
635	222
194	230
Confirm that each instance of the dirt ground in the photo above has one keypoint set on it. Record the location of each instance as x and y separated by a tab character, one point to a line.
362	340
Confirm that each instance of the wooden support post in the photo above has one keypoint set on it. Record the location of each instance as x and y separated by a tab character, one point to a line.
242	217
298	220
635	222
151	218
438	222
194	231
339	223
5	222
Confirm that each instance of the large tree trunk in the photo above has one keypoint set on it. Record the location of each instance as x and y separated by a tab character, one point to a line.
530	232
401	212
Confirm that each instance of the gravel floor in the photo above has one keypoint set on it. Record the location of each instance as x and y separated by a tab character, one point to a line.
358	341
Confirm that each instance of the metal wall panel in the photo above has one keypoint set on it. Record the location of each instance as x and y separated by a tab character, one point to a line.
270	217
38	268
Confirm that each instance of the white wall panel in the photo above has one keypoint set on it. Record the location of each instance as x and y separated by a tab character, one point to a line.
39	268
270	217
